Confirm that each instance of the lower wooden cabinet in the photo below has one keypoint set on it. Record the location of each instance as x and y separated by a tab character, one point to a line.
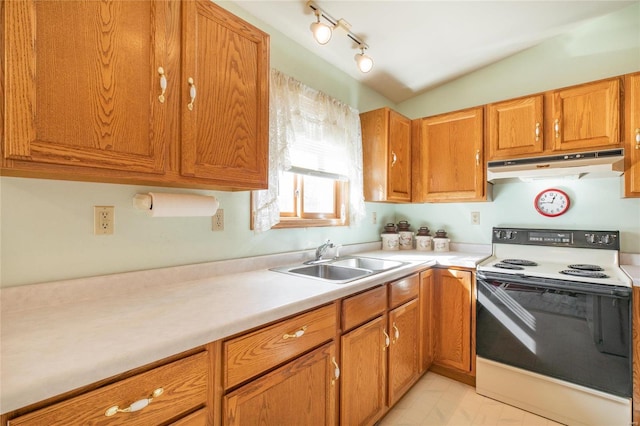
302	392
454	312
404	354
363	394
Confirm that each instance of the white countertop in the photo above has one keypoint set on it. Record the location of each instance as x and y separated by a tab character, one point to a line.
56	337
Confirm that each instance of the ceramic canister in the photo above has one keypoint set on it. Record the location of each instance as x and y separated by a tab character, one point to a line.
406	235
423	239
440	241
390	238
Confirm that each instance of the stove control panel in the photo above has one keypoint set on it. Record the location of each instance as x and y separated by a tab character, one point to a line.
608	240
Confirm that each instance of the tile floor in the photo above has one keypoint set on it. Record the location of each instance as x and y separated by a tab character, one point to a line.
439	401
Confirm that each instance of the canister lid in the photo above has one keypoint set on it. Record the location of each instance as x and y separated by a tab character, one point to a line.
423	231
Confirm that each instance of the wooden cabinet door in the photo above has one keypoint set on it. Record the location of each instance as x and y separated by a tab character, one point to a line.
302	392
451	165
364	374
515	128
404	352
82	83
586	116
386	150
426	319
632	135
225	126
452	319
399	164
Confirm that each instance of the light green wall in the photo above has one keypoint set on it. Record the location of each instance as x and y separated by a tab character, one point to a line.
46	225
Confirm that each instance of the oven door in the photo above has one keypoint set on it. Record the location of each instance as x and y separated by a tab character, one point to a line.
577	332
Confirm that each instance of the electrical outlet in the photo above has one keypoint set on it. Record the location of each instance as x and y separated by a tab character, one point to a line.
103	220
475	218
217	223
374	218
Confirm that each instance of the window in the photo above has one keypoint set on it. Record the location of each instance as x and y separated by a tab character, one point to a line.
306	200
315	160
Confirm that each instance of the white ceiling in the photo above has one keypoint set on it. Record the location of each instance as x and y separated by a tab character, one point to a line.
418	45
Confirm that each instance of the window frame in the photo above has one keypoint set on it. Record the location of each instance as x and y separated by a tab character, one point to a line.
300	219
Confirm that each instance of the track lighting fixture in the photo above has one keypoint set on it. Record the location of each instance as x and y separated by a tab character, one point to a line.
321	31
322	34
365	63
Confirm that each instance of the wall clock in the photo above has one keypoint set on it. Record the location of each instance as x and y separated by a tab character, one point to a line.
552	202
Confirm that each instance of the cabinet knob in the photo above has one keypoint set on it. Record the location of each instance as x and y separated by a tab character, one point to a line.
163	84
135	406
192	93
556	127
537	132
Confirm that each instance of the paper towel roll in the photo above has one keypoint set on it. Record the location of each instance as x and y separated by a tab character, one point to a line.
176	205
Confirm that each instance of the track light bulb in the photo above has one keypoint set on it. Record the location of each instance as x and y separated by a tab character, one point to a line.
365	63
321	32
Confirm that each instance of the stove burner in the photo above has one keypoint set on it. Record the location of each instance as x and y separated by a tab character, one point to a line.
586	267
507	266
519	262
583	273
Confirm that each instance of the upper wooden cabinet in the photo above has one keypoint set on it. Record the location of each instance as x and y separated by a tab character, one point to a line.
88	95
577	118
514	127
632	135
225	129
586	116
158	92
448	157
386	149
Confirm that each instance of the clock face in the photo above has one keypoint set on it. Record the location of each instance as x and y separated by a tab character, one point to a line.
552	202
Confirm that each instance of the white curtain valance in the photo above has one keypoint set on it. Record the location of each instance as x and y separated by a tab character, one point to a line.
309	130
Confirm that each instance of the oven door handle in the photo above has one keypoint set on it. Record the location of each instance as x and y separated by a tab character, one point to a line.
550	283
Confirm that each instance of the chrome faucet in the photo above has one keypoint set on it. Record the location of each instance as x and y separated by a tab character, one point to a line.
320	251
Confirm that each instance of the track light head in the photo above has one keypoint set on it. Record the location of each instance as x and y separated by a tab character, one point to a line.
321	32
364	62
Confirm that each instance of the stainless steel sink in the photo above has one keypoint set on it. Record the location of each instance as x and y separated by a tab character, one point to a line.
373	264
343	270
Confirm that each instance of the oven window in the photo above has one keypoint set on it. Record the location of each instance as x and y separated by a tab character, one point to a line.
576	336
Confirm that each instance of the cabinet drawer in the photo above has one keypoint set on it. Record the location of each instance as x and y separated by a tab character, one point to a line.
403	290
249	355
358	309
184	384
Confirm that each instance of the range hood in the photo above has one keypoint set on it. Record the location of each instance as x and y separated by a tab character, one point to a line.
608	163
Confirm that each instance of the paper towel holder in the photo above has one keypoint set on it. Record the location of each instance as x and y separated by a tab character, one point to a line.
142	202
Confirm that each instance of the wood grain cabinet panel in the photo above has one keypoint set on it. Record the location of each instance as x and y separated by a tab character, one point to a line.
363	392
586	116
450	161
404	353
632	135
452	313
225	128
386	149
403	290
251	354
426	319
302	392
358	309
87	96
515	127
184	383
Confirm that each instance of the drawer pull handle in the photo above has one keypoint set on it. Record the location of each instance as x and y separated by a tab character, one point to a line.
336	370
638	138
396	333
387	340
295	334
477	157
136	406
537	132
556	127
394	158
163	84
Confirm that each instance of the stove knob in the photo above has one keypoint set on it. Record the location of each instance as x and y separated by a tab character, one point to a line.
500	235
605	239
591	238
